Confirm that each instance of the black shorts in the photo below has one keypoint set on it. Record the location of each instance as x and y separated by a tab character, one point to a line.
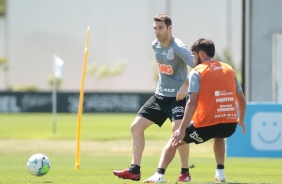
158	108
200	135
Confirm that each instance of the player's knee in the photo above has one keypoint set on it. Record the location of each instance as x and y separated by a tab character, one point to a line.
170	148
139	125
170	145
136	128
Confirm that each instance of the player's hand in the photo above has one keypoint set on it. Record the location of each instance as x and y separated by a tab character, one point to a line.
242	124
177	137
182	92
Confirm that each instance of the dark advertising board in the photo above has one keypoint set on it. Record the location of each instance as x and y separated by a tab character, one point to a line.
14	102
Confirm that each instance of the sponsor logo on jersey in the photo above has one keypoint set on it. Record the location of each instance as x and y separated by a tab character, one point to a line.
213	67
167	69
222	93
228	116
224	99
222	109
167	89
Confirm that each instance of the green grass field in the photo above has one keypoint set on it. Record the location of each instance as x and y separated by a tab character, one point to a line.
106	145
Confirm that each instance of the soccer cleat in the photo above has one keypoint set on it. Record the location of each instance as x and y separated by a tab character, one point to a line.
184	178
156	178
126	174
219	176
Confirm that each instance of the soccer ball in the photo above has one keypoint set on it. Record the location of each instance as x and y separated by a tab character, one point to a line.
38	164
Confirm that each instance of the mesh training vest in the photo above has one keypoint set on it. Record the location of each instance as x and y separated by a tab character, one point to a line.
217	95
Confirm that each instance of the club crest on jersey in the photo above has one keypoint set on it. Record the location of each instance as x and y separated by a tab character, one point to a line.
170	55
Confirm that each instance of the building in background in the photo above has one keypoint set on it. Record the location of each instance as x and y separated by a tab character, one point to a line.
33	30
262	50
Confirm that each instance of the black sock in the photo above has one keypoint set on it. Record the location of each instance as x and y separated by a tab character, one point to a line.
134	169
161	170
220	166
184	170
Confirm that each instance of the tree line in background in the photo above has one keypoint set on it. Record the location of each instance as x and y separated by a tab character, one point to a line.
2	7
104	71
228	58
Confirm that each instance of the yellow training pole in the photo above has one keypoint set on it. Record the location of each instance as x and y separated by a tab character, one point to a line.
80	106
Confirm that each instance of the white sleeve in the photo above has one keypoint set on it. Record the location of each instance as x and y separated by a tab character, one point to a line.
194	82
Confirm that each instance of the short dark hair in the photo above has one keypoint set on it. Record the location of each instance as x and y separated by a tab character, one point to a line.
163	18
205	45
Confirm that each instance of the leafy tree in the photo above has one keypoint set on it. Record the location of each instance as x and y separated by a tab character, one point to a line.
53	79
3	64
227	58
2	7
102	71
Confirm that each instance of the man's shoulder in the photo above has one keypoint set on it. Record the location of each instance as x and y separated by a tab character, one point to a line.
177	42
201	66
155	43
178	45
